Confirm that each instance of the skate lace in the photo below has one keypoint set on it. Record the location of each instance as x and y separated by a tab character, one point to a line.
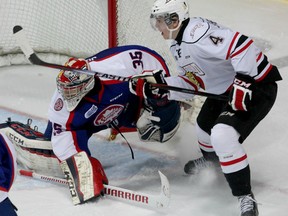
200	162
246	203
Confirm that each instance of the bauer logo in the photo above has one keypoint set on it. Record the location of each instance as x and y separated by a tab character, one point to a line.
58	104
108	115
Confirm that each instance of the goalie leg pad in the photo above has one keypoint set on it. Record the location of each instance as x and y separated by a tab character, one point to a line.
34	152
85	177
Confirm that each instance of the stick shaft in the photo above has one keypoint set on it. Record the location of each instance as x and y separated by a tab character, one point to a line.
34	59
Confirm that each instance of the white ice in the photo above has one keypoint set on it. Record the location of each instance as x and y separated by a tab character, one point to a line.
26	91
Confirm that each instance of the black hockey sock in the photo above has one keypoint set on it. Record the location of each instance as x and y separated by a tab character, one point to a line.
239	182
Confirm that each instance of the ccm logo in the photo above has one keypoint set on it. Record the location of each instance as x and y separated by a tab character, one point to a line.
241	83
16	140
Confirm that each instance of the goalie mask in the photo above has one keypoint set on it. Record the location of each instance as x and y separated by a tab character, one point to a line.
164	12
73	86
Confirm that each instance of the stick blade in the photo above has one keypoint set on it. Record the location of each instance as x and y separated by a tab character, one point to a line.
165	191
22	41
16	29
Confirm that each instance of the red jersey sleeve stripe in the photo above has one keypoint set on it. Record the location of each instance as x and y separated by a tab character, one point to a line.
259	56
264	73
243	48
231	45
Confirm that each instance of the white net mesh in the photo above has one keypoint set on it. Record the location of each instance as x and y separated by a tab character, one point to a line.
64	28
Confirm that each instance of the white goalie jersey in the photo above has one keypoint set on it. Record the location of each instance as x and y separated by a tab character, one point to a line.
209	55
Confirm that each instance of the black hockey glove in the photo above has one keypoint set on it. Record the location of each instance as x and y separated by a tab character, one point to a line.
140	85
241	93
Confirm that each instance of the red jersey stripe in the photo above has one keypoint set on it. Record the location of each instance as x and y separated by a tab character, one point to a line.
231	45
243	48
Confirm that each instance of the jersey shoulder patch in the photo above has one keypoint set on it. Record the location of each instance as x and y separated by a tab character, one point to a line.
196	29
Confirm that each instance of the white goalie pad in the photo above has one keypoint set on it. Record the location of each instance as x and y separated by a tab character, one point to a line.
33	154
79	174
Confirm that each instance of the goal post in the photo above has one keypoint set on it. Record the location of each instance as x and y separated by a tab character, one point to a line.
112	23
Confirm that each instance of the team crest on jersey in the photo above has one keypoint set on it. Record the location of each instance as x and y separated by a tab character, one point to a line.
108	115
58	104
194	73
192	78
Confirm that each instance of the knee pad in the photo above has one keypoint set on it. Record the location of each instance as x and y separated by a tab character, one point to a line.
224	139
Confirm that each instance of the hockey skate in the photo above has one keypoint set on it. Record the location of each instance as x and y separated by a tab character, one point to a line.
209	159
195	166
248	205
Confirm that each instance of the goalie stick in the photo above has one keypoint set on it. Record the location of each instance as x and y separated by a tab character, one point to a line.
156	201
34	59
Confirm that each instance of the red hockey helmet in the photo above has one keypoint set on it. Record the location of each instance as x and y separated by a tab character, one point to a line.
73	86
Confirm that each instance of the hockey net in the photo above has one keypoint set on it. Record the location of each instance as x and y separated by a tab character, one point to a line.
58	29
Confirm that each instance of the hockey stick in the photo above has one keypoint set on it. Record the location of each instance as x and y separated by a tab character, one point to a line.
34	59
156	201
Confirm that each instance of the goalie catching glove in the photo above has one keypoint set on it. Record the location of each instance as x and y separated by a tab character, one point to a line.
159	124
140	86
241	93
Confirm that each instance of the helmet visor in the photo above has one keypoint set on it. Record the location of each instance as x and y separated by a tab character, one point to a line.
161	21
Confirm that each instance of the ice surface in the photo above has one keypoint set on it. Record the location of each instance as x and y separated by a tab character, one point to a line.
26	91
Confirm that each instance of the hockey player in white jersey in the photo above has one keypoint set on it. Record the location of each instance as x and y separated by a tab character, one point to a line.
218	60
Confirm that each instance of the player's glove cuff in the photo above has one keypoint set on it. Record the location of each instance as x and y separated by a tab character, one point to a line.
241	93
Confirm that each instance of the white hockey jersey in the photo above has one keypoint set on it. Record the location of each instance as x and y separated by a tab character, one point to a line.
209	55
